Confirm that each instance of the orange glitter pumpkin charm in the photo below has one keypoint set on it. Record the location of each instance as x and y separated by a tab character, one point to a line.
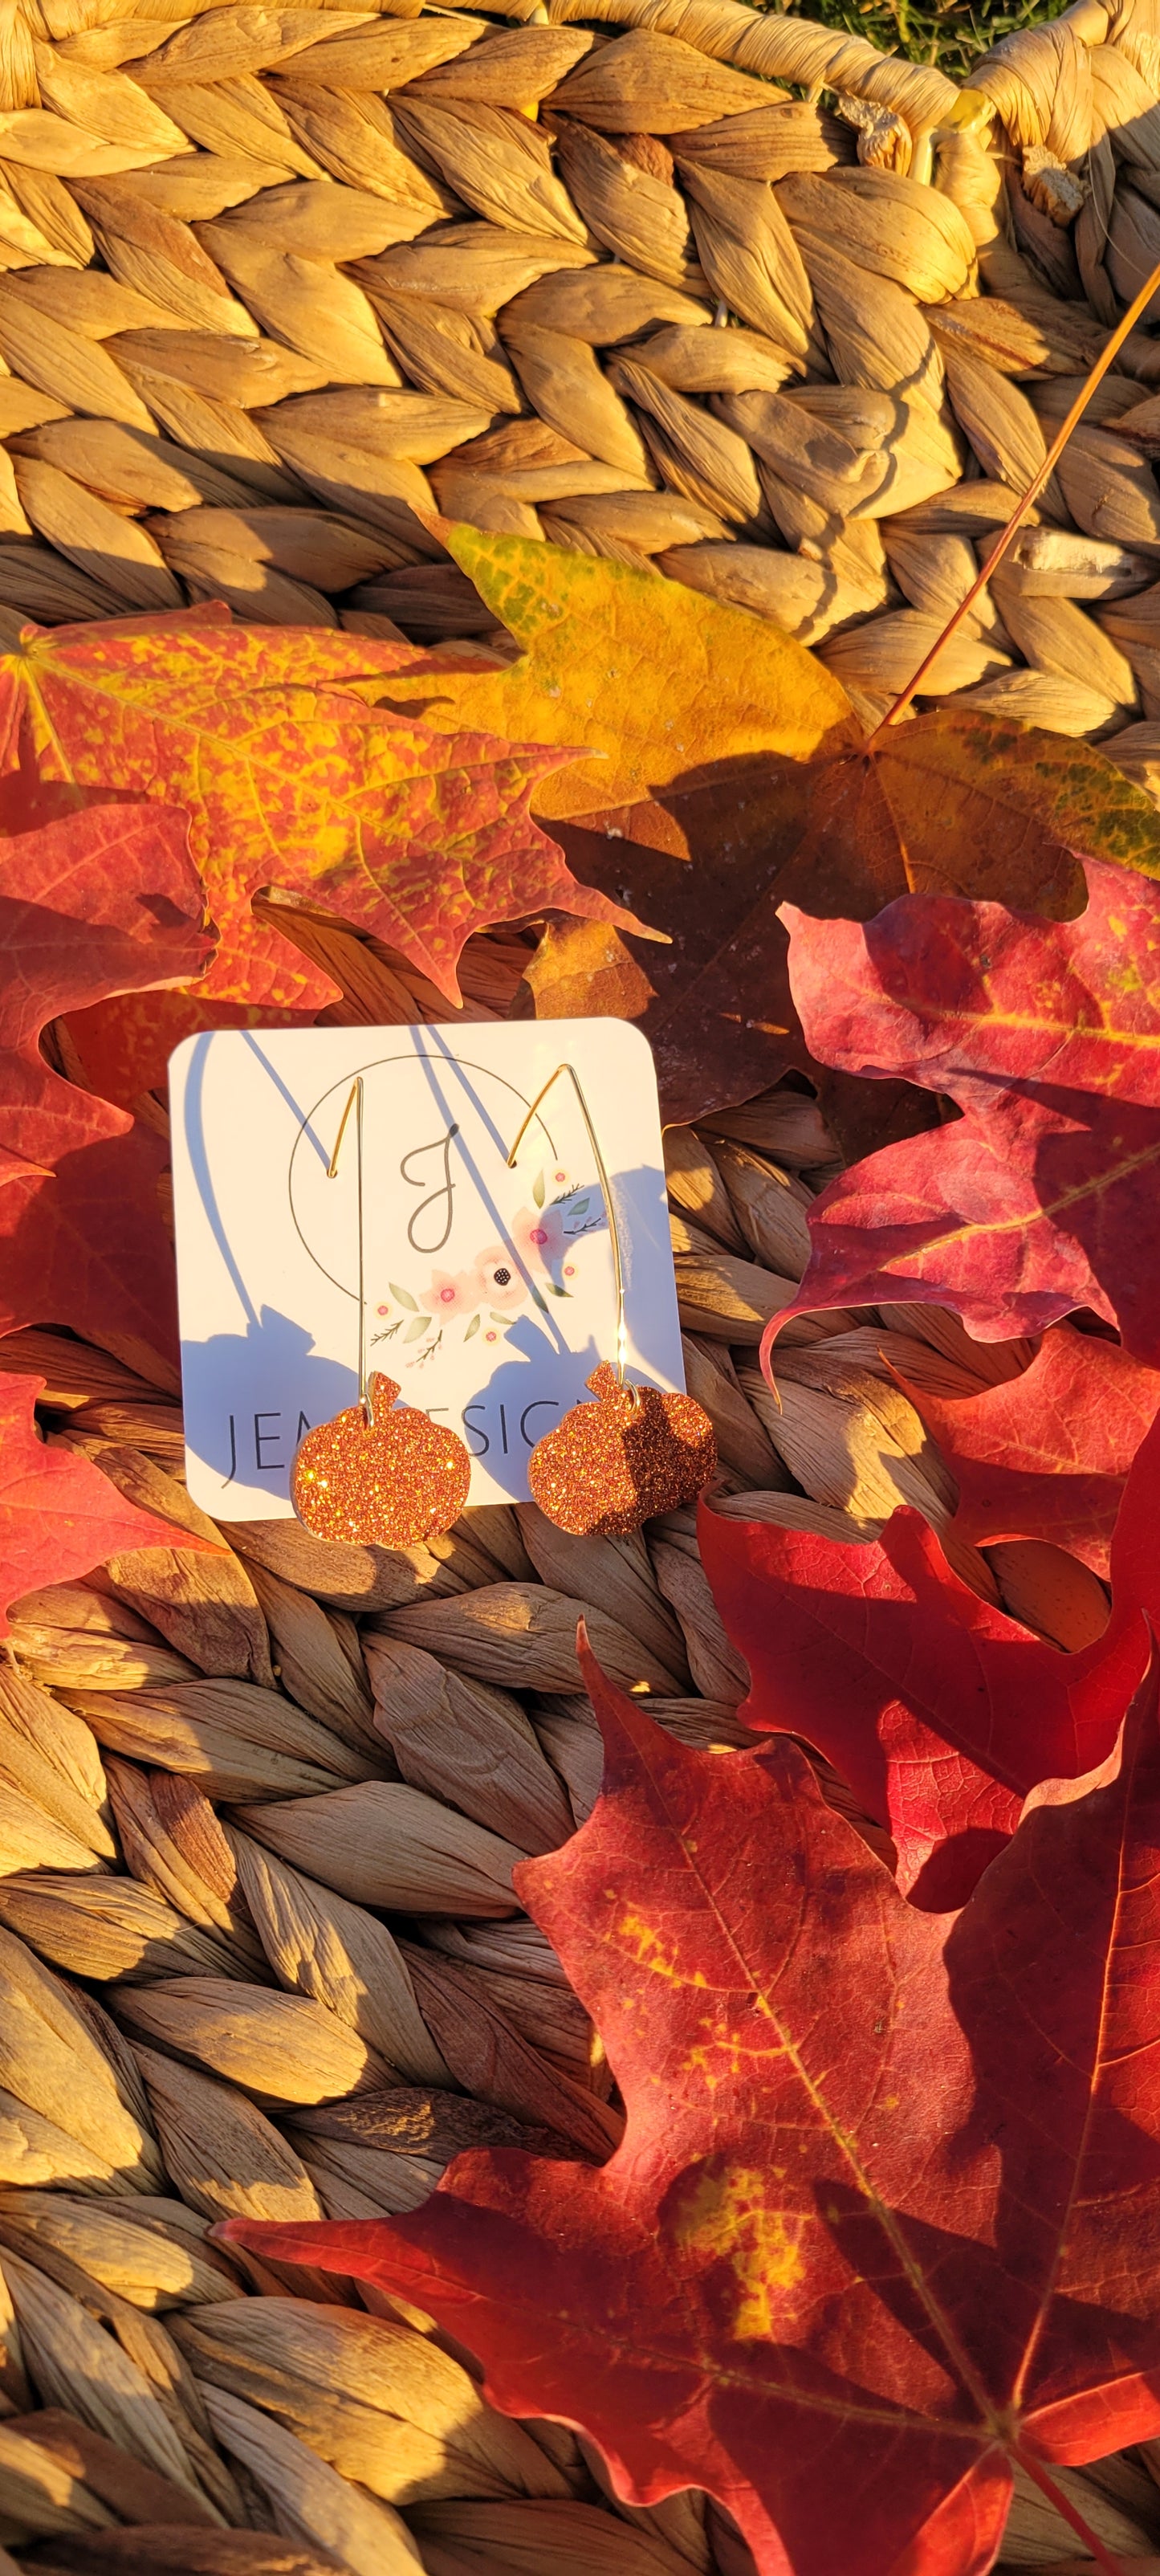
380	1474
609	1466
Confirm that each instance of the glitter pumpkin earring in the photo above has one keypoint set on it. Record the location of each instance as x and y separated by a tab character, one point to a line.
379	1473
637	1450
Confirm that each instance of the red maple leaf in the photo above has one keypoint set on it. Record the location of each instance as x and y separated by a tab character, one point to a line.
104	901
58	1515
939	1711
1046	1454
1042	1197
881	2222
290	778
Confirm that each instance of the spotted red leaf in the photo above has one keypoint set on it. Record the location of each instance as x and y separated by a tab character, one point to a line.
886	2212
1043	1196
58	1515
103	901
1045	1455
939	1711
291	779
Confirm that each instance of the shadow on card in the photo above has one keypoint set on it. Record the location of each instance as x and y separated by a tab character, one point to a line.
251	1396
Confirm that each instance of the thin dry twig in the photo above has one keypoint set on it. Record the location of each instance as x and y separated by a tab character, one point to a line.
1027	502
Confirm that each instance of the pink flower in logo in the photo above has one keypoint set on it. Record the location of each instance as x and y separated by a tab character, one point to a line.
502	1282
447	1297
539	1237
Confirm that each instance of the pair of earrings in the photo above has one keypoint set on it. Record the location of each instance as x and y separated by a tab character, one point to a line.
384	1474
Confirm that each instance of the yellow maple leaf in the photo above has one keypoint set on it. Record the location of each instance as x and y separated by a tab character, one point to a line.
652	679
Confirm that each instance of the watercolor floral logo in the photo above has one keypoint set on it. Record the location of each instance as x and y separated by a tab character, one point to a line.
505	1279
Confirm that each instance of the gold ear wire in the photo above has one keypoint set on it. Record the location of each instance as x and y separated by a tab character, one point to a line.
606	1187
355	1102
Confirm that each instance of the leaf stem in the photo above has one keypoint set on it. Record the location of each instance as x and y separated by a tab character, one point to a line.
1062	2503
1027	502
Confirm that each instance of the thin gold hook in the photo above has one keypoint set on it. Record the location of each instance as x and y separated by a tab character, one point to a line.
606	1186
355	1102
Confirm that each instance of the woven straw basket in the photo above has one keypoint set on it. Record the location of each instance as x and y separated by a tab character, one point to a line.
735	297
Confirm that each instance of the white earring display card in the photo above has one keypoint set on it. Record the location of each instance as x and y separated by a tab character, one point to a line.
489	1293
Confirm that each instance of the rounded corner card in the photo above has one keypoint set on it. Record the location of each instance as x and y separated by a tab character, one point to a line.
490	1292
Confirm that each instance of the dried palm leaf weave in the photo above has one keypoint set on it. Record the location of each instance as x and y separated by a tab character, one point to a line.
726	296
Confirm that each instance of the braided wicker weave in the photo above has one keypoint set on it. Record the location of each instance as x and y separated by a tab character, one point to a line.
733	296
